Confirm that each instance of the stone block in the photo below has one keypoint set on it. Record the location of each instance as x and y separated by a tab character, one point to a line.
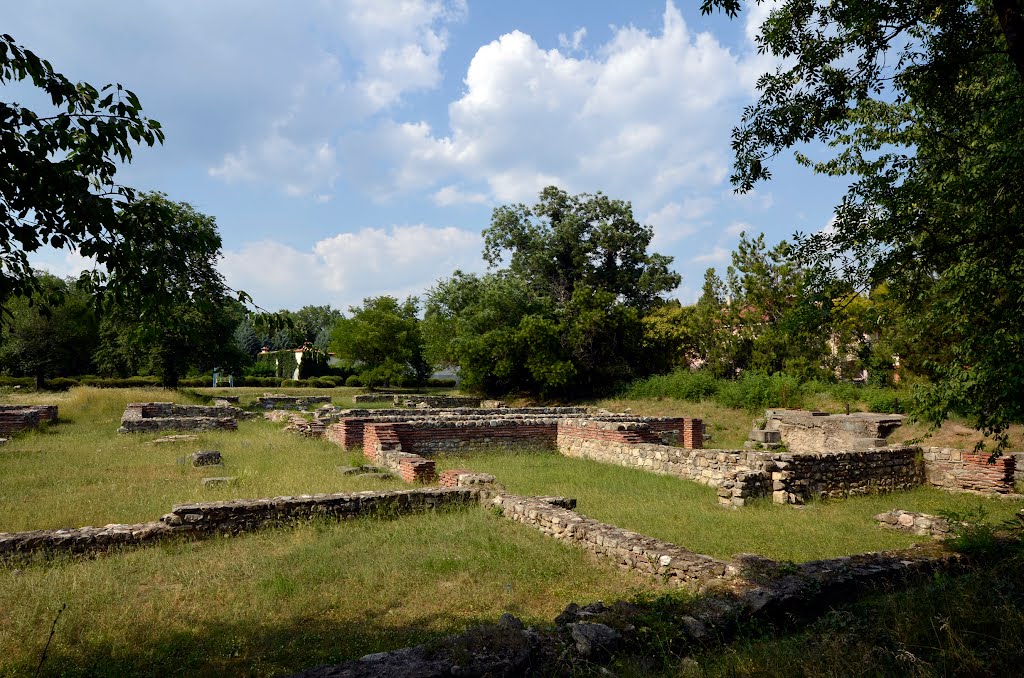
765	436
207	458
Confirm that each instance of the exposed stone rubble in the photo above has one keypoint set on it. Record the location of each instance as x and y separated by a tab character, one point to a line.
921	524
803	431
149	417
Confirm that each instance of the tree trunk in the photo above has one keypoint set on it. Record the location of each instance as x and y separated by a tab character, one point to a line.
1012	23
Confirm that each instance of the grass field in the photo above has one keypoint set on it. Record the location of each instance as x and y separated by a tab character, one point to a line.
688	514
285	599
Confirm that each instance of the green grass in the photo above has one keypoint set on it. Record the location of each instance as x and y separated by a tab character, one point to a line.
687	514
279	601
81	472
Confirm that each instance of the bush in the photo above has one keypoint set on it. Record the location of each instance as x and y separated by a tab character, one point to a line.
59	383
681	385
354	380
258	381
322	383
886	401
296	383
445	383
755	391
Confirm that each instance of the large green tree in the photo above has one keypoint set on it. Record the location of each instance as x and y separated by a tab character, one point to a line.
922	102
184	316
381	340
565	315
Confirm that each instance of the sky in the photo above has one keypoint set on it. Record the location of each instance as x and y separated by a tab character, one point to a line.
353	148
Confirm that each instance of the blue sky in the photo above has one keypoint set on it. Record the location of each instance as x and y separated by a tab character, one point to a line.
355	148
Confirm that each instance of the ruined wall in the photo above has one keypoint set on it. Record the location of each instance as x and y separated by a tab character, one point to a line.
14	418
966	471
629	550
799	477
234	517
921	524
147	417
804	431
285	402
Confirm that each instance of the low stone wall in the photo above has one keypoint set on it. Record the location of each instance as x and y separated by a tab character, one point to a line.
285	402
147	417
799	477
962	470
629	550
15	418
233	517
921	524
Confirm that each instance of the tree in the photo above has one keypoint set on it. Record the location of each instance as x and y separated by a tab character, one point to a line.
188	319
382	340
57	184
922	102
565	316
44	342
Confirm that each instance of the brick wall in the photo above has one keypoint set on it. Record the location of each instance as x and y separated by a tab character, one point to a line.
14	418
966	471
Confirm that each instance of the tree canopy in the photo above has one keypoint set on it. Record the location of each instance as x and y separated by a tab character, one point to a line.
381	340
57	178
564	317
921	102
183	316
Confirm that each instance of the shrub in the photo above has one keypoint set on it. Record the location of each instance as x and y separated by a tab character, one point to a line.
59	383
681	384
354	380
322	383
886	401
756	391
446	383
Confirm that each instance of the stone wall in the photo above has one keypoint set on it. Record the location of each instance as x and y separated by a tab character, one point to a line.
629	550
416	399
273	401
14	418
146	417
821	432
799	477
961	470
241	515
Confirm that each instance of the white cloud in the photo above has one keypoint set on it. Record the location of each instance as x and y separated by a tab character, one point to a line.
734	229
345	268
574	42
640	117
677	220
396	45
61	263
453	195
716	255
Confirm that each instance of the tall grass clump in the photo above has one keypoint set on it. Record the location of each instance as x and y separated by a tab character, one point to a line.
682	384
755	391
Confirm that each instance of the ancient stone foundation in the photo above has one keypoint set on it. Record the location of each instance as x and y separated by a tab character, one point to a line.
273	401
15	418
803	431
417	400
148	417
232	517
921	524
